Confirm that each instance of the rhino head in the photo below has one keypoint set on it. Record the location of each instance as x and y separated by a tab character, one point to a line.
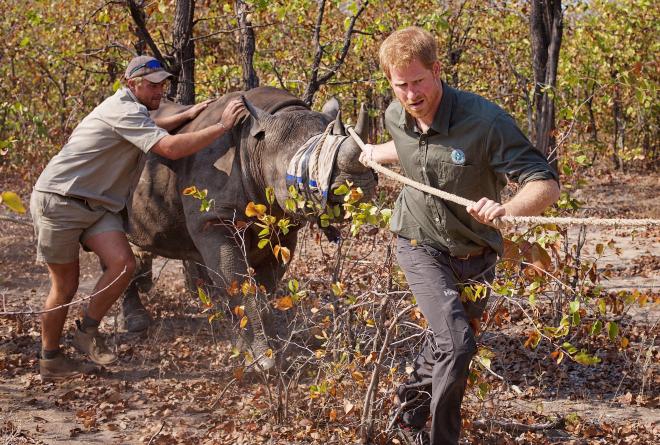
280	135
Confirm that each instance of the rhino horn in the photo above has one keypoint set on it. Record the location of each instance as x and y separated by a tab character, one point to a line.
331	108
362	125
258	115
338	128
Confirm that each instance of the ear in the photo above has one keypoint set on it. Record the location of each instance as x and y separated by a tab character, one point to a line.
362	125
338	128
436	68
259	117
331	108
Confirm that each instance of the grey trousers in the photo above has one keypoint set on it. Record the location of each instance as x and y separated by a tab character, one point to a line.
437	384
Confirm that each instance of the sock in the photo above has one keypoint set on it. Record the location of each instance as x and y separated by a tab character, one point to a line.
49	353
87	324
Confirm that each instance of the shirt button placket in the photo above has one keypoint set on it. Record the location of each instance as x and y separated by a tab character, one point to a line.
423	149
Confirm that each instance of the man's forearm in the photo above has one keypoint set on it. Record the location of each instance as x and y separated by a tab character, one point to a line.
169	123
385	153
180	145
533	198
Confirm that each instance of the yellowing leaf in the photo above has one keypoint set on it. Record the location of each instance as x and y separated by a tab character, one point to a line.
533	339
11	200
244	322
286	254
205	298
557	355
338	288
252	210
270	195
190	190
239	311
357	376
233	289
248	288
284	303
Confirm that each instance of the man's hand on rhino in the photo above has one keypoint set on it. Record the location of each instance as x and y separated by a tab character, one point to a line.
231	113
198	108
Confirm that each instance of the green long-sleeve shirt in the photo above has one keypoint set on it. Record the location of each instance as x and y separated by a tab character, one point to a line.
470	149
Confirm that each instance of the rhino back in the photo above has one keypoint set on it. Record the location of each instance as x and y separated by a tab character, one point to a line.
161	218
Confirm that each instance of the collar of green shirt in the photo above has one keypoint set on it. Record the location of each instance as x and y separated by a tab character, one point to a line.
442	116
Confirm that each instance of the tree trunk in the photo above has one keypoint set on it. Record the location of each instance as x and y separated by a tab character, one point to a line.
316	80
246	46
546	28
618	138
458	34
182	87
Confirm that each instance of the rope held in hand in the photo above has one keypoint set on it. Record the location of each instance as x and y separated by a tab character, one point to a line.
613	222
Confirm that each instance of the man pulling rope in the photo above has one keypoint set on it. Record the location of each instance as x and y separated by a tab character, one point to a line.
462	144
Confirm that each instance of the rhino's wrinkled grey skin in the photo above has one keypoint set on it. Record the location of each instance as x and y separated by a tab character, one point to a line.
235	169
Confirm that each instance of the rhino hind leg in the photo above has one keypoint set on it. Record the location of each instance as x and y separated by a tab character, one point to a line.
133	316
197	276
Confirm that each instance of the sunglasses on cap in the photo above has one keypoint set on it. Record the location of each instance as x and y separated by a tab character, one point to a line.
152	65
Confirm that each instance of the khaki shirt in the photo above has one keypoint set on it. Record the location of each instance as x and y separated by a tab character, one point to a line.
101	158
470	150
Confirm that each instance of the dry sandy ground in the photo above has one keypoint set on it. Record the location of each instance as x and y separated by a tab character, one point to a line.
167	384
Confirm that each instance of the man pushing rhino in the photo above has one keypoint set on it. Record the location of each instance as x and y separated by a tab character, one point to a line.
80	194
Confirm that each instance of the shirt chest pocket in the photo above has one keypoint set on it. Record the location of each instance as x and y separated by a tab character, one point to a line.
462	180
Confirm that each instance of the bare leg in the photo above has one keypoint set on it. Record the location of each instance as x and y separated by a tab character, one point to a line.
115	253
63	286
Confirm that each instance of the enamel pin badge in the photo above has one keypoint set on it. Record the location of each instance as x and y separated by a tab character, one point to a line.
457	156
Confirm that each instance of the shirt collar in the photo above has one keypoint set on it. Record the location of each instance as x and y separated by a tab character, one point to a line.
442	116
127	91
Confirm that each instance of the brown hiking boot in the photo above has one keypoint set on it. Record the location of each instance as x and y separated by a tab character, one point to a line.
62	367
93	344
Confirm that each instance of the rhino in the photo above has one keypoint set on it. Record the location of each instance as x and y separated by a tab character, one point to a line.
235	169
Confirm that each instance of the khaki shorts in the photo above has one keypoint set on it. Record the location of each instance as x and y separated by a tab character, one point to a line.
63	222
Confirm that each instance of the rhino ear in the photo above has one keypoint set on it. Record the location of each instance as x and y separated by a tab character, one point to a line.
259	117
331	108
338	128
362	125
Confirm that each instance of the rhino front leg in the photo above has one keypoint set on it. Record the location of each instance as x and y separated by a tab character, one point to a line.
133	316
227	259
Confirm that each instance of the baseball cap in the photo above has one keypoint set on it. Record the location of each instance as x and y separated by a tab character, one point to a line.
148	67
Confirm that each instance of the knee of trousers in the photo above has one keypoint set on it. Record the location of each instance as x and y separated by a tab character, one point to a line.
462	354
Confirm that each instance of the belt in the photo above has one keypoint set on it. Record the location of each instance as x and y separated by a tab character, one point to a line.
479	252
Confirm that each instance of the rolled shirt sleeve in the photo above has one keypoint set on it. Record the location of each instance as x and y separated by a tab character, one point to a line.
140	130
512	154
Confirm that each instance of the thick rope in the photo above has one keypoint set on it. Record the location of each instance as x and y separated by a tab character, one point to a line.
613	222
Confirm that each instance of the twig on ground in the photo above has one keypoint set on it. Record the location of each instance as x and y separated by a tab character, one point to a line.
484	424
71	303
222	393
13	219
162	425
